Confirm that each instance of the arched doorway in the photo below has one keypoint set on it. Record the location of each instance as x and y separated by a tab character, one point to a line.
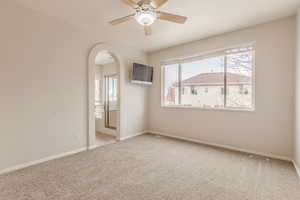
100	56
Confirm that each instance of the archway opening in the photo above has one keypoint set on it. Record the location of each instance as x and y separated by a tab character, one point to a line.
104	97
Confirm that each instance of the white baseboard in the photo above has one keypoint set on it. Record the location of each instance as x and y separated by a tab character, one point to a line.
297	168
35	162
93	147
131	136
121	139
223	146
97	145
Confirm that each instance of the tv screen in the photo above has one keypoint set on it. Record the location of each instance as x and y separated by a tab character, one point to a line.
142	74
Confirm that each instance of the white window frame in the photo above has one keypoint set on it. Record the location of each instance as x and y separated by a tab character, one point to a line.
200	56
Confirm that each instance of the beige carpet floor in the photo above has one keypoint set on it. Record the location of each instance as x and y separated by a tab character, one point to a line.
154	168
104	139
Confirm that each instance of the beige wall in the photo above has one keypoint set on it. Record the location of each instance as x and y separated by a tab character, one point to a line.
43	86
269	129
297	101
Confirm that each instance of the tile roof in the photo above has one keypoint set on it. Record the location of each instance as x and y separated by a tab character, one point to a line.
216	78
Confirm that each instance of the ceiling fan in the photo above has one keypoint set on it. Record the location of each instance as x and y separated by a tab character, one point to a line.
146	14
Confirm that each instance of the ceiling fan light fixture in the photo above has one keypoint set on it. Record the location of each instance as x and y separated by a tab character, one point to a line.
145	17
146	14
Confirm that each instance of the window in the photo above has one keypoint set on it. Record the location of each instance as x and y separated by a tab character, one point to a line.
194	90
98	107
97	91
206	90
171	82
241	89
183	91
223	79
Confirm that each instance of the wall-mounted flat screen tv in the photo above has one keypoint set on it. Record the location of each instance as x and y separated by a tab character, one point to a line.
142	74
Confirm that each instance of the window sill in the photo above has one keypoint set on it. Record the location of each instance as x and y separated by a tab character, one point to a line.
212	109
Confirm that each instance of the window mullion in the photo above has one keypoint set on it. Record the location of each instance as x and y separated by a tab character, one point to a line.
163	85
179	80
225	80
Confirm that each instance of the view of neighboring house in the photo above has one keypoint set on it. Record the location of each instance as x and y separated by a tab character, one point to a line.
207	90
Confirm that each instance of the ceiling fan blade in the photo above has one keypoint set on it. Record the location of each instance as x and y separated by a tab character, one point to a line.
148	30
130	3
171	17
158	3
122	19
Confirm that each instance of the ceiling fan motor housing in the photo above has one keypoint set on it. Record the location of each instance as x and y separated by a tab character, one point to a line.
145	14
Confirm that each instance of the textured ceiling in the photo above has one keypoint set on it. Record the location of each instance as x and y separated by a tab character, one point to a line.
205	18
